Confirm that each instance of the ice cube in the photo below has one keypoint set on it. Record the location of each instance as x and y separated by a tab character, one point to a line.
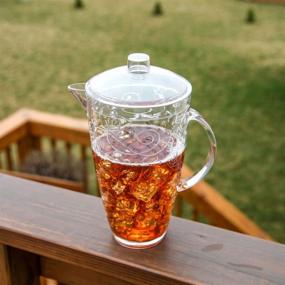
160	174
171	192
121	219
105	164
145	222
128	176
108	200
144	191
121	224
119	187
127	206
151	205
104	174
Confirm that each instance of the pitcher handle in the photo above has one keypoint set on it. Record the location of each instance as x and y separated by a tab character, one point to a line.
190	181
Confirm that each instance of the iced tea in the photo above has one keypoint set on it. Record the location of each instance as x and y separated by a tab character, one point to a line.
138	168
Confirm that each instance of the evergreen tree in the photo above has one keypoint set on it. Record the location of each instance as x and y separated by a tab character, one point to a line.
78	4
250	16
157	9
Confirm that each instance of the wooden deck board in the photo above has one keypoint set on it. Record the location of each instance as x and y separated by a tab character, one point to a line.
71	227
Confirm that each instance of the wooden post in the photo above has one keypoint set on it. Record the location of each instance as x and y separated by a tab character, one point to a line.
68	149
195	214
178	206
9	158
4	266
26	144
68	155
1	165
18	267
24	267
53	148
84	167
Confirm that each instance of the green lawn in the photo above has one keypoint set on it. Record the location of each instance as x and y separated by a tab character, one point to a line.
237	72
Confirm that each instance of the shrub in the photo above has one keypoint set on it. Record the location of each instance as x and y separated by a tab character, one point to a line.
59	167
78	4
250	16
157	9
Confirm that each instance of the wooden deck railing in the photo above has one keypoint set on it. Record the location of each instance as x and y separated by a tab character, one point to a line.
26	130
64	235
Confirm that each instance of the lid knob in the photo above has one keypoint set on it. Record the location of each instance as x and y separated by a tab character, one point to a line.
138	62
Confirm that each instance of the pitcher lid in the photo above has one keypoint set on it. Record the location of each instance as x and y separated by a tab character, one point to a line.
138	84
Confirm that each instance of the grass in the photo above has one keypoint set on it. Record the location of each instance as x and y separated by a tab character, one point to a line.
237	72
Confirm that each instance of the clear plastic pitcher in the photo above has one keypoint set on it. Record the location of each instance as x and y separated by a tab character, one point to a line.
138	116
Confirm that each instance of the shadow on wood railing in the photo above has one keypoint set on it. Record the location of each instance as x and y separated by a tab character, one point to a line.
28	130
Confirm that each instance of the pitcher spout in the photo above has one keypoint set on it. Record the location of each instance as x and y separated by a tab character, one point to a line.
78	91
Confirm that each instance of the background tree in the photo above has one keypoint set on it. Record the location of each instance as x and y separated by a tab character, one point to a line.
250	16
157	9
78	4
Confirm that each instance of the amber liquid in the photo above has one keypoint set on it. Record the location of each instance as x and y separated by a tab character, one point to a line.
138	169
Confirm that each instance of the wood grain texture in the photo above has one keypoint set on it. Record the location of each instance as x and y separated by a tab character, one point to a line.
70	274
66	184
13	128
58	127
4	266
218	210
72	228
